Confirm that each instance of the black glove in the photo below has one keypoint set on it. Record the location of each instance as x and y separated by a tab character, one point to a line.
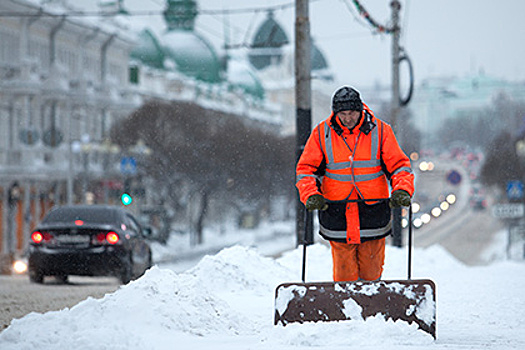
399	198
316	202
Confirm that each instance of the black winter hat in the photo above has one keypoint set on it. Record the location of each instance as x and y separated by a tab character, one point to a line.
346	99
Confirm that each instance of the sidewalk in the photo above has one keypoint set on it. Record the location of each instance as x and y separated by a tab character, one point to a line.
269	238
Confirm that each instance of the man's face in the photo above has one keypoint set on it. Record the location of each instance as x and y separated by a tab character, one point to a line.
349	118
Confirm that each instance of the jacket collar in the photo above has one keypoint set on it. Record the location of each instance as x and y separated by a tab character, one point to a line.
365	123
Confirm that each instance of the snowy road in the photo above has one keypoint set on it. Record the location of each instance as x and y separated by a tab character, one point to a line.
19	297
462	230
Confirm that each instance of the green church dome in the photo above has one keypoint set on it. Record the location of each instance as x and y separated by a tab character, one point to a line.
267	43
318	61
192	54
241	75
148	50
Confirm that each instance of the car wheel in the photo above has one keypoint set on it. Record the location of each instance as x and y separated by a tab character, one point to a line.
36	276
150	261
148	265
126	273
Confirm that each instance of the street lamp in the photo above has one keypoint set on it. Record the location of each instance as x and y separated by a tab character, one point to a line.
12	201
520	149
84	147
109	151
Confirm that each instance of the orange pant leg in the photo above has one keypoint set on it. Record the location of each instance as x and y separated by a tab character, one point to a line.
371	257
358	261
344	259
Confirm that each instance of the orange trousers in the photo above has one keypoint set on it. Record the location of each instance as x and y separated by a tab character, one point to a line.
364	261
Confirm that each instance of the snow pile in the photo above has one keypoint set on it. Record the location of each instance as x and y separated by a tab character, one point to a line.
159	302
227	302
238	269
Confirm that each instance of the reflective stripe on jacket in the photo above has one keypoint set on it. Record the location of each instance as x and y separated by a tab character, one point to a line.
343	164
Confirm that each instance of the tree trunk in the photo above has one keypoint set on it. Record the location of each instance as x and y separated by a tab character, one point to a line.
199	225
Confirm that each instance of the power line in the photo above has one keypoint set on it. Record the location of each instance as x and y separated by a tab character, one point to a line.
79	14
229	26
356	16
148	13
251	10
342	36
364	13
158	2
210	31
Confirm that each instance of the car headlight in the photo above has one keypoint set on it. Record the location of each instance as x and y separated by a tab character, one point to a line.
20	267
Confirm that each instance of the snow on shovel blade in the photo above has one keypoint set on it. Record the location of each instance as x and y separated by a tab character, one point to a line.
406	300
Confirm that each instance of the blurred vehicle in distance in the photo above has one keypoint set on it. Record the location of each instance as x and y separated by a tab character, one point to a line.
478	198
88	240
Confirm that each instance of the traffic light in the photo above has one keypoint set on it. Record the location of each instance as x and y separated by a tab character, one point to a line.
126	198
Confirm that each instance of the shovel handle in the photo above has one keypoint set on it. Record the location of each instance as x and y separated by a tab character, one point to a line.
409	242
305	243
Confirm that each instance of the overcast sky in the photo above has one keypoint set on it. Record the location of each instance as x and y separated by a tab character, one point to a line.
442	38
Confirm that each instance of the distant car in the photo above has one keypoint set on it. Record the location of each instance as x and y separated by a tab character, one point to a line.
88	240
478	202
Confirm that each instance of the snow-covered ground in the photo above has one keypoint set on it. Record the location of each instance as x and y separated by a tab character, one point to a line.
226	301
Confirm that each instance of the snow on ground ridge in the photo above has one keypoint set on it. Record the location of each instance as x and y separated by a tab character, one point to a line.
227	302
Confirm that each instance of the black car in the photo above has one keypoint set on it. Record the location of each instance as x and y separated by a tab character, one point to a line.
88	240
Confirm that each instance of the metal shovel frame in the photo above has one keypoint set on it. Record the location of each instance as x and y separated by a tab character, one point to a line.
413	301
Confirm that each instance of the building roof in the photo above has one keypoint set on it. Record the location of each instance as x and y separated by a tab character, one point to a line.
318	61
266	44
148	50
243	76
192	55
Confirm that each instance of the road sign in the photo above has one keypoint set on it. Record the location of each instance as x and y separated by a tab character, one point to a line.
514	190
454	177
128	165
508	210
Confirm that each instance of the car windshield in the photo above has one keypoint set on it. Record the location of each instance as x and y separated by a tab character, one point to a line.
88	215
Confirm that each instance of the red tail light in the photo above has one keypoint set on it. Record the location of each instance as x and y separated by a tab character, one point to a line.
37	237
106	238
100	238
41	237
112	238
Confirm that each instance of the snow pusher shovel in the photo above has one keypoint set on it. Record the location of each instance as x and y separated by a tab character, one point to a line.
410	300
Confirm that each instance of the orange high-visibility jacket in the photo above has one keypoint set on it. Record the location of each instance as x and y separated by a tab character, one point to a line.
343	164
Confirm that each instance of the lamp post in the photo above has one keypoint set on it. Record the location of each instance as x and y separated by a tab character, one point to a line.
83	147
12	201
109	151
515	193
85	150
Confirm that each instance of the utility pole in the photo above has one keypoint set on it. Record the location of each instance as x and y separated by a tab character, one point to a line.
395	107
396	7
303	121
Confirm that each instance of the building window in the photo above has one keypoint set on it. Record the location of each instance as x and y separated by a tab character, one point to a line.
9	49
134	74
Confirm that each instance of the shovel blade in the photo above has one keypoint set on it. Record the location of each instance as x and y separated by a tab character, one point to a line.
413	301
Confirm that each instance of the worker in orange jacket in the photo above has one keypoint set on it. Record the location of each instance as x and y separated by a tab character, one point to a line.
353	156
